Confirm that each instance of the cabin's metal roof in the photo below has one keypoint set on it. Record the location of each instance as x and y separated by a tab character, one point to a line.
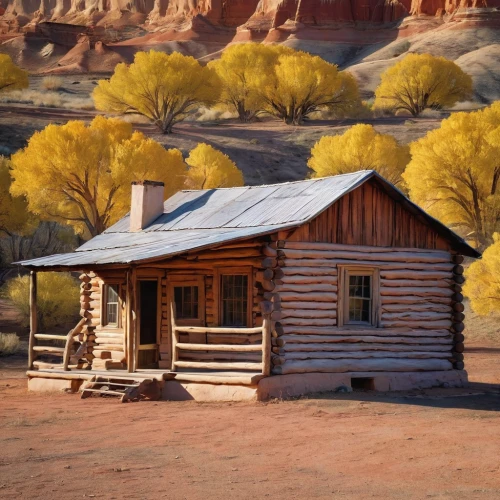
206	218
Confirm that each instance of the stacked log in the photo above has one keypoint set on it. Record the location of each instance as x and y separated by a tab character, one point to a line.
418	325
108	345
458	315
89	294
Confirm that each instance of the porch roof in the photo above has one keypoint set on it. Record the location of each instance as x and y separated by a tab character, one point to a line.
206	218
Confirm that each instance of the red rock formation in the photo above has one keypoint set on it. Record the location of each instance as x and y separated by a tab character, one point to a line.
318	12
252	14
440	7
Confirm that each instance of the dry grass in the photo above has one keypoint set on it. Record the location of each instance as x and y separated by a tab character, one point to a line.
467	106
58	295
52	83
47	99
9	344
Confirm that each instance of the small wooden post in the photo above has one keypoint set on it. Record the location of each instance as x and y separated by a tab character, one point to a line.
266	345
131	326
175	335
33	319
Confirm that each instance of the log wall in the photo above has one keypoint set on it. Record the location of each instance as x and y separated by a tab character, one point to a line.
419	325
105	346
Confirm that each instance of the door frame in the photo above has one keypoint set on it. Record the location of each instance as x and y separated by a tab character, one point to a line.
156	346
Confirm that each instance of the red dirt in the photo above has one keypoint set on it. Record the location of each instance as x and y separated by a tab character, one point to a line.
439	443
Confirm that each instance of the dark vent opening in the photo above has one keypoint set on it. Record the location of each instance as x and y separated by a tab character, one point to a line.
362	384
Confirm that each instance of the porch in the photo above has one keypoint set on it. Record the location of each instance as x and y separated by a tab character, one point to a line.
200	385
234	356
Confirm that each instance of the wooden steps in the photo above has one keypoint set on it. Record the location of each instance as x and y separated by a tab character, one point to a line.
108	386
127	388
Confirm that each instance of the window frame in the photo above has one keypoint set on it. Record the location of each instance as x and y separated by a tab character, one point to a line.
104	303
344	272
185	281
233	271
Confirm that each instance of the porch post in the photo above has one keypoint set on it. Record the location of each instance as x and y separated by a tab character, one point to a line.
266	345
131	323
33	319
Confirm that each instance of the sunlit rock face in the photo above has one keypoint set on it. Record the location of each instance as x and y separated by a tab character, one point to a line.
233	13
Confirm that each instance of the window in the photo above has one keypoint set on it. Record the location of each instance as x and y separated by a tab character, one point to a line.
188	294
186	302
234	299
358	297
111	305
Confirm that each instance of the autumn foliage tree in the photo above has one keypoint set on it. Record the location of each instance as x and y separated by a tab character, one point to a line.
455	170
301	84
81	174
242	69
359	148
483	280
421	81
162	87
13	209
11	76
209	168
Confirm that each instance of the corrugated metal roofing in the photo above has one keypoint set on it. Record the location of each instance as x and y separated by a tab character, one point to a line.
199	219
249	206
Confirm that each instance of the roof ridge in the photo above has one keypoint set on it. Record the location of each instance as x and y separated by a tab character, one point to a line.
315	179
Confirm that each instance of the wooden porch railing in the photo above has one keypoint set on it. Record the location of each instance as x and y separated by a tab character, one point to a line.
265	347
36	350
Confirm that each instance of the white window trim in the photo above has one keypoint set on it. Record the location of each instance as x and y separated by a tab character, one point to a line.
343	296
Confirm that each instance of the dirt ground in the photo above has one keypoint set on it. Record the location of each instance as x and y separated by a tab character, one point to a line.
440	443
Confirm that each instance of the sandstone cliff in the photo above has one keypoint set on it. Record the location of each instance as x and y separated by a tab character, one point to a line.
233	13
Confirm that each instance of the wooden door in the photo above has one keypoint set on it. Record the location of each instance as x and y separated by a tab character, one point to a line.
148	324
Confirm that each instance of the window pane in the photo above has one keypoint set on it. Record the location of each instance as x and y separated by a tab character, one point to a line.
360	295
186	302
234	300
112	304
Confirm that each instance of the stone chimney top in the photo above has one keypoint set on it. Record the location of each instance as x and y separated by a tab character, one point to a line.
146	204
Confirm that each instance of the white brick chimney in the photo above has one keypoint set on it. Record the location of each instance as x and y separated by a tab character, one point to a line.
146	204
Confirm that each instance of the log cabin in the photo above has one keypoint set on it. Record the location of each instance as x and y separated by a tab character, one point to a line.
262	291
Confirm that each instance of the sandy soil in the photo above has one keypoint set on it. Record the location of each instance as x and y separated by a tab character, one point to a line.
440	443
433	444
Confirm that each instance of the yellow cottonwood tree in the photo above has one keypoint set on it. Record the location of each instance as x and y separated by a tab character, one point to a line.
14	215
359	148
241	70
421	81
302	84
162	87
81	175
483	280
209	168
11	76
454	173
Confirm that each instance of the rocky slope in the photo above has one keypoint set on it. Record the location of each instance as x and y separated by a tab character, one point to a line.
365	35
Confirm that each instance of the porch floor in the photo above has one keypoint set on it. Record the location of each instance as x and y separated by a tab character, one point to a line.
199	376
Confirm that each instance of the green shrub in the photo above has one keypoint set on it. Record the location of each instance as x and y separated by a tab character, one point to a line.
9	344
58	300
